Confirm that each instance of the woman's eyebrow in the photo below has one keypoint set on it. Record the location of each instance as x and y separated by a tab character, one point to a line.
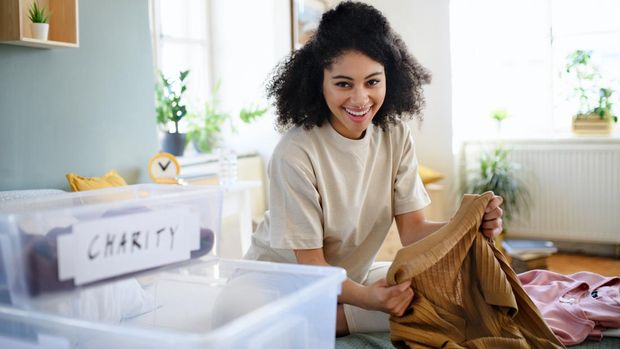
342	77
350	78
373	74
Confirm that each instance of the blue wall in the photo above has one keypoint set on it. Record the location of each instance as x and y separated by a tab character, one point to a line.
85	110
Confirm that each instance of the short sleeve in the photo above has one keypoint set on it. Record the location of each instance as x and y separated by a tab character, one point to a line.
409	192
296	217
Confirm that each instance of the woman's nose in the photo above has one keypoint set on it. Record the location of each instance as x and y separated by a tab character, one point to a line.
359	97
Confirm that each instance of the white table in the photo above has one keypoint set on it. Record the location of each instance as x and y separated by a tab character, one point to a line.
235	236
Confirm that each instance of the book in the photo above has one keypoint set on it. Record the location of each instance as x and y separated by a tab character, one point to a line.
534	247
521	266
530	256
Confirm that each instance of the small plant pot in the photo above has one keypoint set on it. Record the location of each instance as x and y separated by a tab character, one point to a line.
39	30
173	143
592	125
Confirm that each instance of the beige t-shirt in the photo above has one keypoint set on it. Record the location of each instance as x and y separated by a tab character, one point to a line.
327	191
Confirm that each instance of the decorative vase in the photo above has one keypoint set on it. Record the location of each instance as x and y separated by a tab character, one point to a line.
39	30
173	143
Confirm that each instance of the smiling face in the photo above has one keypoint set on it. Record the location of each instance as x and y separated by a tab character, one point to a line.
354	90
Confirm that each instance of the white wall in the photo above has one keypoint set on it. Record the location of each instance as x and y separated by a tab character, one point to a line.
425	28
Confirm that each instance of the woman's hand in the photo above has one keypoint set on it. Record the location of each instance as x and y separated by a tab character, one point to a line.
492	224
393	300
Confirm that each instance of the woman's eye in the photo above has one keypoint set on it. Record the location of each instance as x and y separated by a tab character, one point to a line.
343	84
373	82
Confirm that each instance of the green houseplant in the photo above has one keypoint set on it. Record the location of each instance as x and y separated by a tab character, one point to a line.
170	109
595	113
39	17
497	173
205	130
499	115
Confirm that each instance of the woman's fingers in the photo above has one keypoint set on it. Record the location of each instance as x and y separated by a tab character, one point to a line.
491	228
400	301
494	203
393	300
492	223
493	214
404	303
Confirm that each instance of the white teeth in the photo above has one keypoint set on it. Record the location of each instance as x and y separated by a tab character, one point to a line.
360	113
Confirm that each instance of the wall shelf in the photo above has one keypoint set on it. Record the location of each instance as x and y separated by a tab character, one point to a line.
15	25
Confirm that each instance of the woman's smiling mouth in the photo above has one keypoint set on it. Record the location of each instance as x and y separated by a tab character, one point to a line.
357	112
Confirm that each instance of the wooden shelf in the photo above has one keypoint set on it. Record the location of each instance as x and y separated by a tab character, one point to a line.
15	25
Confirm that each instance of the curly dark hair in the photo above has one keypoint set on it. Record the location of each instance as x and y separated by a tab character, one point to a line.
296	84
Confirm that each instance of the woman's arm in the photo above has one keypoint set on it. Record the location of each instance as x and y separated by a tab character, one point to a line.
393	300
413	226
377	296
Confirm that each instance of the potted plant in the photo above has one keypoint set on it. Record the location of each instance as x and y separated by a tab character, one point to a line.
595	113
39	17
170	110
205	130
499	115
497	173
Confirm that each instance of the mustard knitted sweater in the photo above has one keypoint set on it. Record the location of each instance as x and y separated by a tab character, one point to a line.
466	294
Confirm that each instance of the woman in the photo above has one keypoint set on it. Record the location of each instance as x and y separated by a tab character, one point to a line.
346	166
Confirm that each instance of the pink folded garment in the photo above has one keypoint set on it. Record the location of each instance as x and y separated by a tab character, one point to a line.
575	306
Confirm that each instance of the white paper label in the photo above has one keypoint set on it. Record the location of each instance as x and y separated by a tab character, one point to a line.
118	245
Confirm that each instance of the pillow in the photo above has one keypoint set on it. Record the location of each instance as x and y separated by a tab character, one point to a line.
110	179
428	175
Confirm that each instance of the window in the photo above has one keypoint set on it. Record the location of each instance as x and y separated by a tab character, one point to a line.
508	55
181	41
591	26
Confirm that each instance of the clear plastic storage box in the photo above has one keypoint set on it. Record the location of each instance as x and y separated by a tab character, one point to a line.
206	303
62	242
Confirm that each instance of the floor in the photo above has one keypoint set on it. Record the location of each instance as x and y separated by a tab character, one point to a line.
561	263
571	263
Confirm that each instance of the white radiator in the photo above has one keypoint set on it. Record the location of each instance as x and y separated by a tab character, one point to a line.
574	186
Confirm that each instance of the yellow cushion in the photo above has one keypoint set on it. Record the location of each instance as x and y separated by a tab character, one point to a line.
110	179
429	175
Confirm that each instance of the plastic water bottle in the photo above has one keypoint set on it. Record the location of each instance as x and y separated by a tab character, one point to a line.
228	167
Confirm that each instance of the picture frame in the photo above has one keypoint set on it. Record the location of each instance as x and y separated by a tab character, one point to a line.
305	18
